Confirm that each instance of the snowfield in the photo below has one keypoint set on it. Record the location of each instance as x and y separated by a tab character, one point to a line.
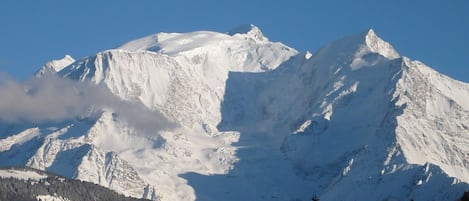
22	174
51	198
238	117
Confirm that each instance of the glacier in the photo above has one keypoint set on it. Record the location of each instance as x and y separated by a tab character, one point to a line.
245	118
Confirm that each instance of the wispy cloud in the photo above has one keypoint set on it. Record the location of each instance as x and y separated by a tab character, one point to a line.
50	98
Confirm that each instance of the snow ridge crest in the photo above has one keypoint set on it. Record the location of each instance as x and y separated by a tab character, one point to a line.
249	30
55	66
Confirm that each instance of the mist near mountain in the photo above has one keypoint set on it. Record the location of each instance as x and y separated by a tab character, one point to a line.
49	98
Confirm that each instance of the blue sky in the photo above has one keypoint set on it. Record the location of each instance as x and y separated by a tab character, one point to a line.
34	32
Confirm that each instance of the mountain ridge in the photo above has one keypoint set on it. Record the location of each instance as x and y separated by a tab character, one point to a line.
257	119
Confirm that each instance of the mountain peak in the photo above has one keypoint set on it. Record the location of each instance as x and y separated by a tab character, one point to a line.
55	66
377	45
249	30
354	49
370	32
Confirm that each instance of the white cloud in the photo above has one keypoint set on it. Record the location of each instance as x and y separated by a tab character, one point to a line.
50	98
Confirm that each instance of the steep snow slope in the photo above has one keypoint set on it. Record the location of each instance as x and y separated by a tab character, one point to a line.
356	134
259	121
434	127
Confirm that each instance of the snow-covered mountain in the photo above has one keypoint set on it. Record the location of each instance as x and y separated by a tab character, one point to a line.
257	120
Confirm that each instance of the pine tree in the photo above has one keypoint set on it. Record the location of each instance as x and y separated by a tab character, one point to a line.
315	198
465	196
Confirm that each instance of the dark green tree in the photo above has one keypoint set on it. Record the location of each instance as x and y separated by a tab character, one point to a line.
315	198
465	196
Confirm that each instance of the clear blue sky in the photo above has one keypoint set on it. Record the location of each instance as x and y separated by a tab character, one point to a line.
33	32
